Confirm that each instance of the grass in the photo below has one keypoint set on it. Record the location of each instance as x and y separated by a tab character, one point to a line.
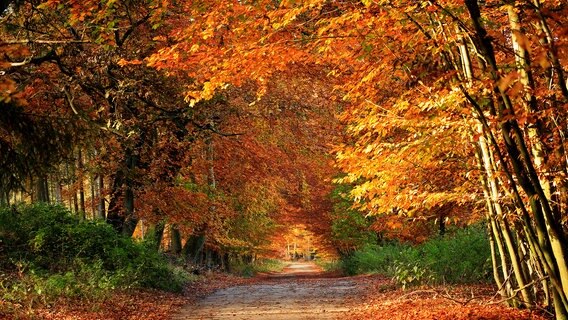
329	265
259	266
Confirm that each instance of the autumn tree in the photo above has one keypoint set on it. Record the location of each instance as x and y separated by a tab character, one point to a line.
453	110
491	74
443	95
73	57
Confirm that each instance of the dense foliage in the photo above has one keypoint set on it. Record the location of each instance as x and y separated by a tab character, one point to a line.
350	229
46	254
437	112
441	260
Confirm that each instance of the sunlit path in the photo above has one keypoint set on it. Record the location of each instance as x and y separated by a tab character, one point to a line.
301	291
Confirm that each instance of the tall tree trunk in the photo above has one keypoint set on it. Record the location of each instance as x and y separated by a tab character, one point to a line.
114	216
101	193
175	240
4	197
75	203
157	232
41	189
81	178
93	187
58	190
551	246
130	219
194	247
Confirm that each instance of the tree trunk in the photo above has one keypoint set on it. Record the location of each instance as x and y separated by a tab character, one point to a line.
101	206
81	181
41	189
93	187
159	234
175	247
535	207
114	216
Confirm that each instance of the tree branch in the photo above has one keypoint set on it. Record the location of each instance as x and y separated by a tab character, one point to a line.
70	100
35	60
30	41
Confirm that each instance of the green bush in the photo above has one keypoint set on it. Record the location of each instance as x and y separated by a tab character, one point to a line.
463	257
350	229
55	254
269	265
329	265
409	274
376	259
249	269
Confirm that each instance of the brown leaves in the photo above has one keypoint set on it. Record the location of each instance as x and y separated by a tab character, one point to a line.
126	305
133	305
447	303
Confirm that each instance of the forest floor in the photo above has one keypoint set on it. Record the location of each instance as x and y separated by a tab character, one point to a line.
300	291
303	291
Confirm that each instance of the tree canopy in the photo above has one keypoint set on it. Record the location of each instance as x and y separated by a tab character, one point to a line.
229	122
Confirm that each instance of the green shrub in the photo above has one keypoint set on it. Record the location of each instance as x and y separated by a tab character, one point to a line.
243	270
463	257
350	229
54	254
249	269
329	265
269	265
409	274
86	282
375	259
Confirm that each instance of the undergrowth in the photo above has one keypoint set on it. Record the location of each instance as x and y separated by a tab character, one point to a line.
249	269
463	257
329	265
46	255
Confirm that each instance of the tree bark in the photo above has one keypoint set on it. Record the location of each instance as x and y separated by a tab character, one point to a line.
175	247
81	178
101	206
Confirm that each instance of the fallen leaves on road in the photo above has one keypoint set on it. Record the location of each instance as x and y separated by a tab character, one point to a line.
383	300
124	305
131	305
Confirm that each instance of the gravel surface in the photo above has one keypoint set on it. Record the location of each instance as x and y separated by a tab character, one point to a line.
301	291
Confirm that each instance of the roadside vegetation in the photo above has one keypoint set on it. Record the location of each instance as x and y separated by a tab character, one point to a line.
458	258
47	254
250	269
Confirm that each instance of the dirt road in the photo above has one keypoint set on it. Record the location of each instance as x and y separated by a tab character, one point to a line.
301	291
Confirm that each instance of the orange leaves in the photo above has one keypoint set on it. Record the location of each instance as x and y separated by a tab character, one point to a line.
507	81
232	43
382	297
404	153
124	62
180	204
131	304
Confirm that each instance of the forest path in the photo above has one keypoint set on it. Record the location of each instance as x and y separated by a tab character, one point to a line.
301	291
